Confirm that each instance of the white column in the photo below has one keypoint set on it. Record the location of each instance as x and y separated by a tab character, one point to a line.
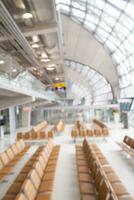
26	119
12	121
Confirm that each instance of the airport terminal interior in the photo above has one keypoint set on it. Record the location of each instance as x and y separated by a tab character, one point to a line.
67	99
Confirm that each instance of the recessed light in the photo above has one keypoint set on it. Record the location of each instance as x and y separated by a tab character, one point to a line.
51	65
35	38
35	45
44	55
14	70
27	16
1	62
45	60
50	68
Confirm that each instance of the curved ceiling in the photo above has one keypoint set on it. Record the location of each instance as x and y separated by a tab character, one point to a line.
96	89
111	23
82	47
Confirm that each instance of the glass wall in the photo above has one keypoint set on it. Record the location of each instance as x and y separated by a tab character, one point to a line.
111	22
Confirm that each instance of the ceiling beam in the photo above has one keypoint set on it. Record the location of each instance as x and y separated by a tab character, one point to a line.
7	102
39	29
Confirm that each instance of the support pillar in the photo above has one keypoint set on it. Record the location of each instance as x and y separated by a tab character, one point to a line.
26	119
12	121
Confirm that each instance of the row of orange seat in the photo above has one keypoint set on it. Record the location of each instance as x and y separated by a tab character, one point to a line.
35	181
99	125
127	145
35	135
88	133
10	157
79	130
97	179
40	127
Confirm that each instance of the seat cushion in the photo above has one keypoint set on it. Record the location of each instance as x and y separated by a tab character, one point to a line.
87	188
119	189
9	197
48	176
15	188
50	168
83	169
88	197
83	177
125	197
46	186
43	197
112	177
2	177
21	177
82	163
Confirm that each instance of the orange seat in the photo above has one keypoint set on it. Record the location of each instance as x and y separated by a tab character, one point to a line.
19	135
34	135
27	136
42	134
50	134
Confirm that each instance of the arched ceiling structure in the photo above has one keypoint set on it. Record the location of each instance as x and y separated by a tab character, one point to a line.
82	47
87	83
111	23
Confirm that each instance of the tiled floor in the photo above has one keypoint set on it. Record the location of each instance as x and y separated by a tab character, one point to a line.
66	184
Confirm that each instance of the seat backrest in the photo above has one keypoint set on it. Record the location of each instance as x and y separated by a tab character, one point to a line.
125	139
132	144
29	190
19	147
105	131
50	134
42	134
42	162
35	179
14	149
10	153
104	190
98	178
45	156
22	143
1	165
38	169
34	135
4	158
27	135
21	196
19	135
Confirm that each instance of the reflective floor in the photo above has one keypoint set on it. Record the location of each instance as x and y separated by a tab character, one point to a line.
66	184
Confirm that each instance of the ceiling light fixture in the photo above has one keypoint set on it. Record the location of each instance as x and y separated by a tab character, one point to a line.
56	78
44	55
50	68
1	62
45	60
27	16
51	65
35	46
35	38
14	70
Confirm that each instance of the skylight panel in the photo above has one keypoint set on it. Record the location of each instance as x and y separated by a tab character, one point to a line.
118	3
102	32
90	26
78	13
130	10
112	11
99	4
105	26
110	45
